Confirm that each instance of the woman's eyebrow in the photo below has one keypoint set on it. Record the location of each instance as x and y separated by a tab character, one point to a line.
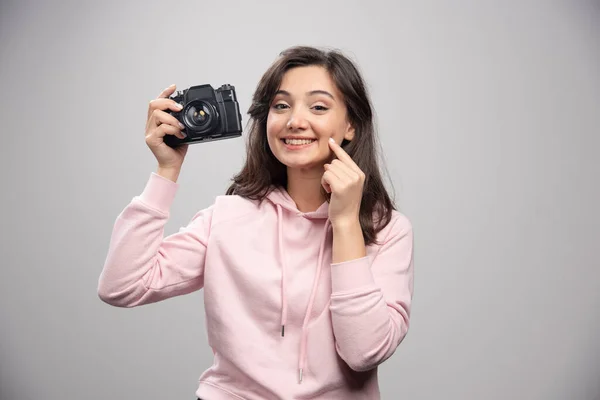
311	93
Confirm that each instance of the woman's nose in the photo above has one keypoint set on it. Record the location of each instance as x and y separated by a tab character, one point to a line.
297	121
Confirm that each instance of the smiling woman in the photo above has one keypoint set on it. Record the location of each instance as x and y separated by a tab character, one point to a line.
311	94
306	266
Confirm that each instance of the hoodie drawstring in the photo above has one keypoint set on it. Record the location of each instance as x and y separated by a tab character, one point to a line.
283	268
303	344
304	337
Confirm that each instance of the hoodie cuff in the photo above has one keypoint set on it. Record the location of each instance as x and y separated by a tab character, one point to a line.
351	275
159	193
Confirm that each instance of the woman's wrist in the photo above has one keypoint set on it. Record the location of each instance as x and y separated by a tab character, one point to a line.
170	173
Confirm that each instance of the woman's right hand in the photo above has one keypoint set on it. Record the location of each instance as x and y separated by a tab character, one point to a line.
159	124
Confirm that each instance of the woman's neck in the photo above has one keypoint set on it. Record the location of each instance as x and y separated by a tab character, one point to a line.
304	187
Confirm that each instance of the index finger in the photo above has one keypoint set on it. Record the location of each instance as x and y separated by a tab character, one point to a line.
342	155
167	92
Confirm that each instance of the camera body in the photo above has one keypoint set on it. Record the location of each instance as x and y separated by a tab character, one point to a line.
207	114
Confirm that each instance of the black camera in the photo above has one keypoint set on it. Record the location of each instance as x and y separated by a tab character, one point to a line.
207	114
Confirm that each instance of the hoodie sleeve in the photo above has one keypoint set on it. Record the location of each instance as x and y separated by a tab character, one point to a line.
371	299
142	266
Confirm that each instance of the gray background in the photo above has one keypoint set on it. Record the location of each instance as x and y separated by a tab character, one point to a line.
489	114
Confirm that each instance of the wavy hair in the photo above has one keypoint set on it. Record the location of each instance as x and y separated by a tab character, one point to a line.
262	171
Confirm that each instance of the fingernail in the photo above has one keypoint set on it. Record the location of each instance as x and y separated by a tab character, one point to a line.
178	106
182	125
331	140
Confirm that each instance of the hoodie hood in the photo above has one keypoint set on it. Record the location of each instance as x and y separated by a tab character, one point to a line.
284	203
280	197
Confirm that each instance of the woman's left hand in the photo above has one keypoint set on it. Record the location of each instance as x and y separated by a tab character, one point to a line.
344	180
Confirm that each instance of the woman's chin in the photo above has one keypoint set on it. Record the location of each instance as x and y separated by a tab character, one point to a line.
299	163
306	159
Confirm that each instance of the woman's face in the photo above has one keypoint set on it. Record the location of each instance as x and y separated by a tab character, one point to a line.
306	111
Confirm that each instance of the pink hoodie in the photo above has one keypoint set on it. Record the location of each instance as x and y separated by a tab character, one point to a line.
282	320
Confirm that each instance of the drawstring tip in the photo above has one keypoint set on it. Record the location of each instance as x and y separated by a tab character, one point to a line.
282	330
300	375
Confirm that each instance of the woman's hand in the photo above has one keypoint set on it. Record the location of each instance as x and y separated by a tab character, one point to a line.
344	180
158	125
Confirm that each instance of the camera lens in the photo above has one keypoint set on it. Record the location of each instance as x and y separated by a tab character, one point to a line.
198	115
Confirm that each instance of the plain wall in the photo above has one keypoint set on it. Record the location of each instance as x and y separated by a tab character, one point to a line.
489	116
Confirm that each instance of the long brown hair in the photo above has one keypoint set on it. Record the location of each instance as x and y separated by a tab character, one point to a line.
262	171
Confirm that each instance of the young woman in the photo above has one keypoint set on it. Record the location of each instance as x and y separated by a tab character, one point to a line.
306	266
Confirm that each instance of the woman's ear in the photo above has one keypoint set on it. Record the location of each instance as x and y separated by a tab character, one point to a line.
349	135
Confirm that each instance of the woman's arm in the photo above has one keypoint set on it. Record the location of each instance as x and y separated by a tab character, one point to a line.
144	267
371	295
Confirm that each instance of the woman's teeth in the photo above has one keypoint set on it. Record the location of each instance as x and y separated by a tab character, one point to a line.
298	142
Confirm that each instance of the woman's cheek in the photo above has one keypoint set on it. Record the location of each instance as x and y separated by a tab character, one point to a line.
274	123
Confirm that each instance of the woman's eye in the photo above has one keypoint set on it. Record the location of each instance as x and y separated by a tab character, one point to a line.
320	108
280	106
